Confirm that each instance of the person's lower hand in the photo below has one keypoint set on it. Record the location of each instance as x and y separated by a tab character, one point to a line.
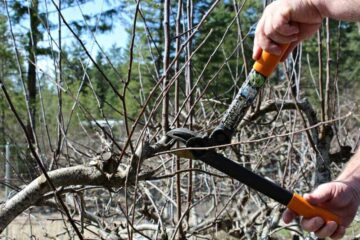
340	198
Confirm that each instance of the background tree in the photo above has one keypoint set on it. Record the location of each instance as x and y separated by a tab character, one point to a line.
6	61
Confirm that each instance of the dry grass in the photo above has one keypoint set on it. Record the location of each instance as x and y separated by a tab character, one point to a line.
36	224
41	226
49	226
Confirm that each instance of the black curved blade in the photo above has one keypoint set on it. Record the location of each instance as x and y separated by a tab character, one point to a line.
181	134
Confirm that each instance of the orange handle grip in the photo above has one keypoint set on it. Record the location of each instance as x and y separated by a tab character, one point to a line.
267	62
302	207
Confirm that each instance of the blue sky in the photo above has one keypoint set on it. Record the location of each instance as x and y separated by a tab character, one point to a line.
117	36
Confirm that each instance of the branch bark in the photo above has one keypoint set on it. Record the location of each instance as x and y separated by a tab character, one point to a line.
32	193
166	61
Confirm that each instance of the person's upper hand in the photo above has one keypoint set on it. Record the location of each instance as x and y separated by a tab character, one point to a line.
285	22
340	198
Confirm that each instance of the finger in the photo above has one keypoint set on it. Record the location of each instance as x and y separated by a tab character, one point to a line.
264	42
312	224
339	233
282	25
288	216
256	49
328	230
286	29
321	194
271	33
256	52
289	50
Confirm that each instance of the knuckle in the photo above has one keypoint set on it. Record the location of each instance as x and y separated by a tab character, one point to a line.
277	26
285	11
267	32
263	42
320	235
319	221
323	233
326	231
306	225
310	228
312	225
266	47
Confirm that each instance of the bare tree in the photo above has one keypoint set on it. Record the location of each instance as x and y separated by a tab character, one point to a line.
126	179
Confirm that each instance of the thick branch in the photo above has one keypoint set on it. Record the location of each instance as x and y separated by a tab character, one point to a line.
78	175
277	105
32	193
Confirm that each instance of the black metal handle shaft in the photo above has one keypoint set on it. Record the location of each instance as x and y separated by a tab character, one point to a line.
245	176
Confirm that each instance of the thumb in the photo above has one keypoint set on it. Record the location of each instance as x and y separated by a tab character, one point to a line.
321	194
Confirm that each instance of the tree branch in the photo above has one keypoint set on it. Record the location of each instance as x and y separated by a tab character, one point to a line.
32	193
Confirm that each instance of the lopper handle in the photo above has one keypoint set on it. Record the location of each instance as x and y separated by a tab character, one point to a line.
267	62
302	207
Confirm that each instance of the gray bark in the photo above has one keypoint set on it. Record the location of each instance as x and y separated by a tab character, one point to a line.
34	192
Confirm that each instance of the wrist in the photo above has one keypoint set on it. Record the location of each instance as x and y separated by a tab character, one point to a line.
351	181
350	177
352	187
351	174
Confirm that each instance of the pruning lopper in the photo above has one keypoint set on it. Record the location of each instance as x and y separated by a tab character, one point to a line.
223	133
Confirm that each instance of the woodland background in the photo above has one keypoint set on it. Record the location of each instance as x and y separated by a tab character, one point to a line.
92	114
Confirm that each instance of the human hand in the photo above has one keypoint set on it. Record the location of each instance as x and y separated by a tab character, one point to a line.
285	22
340	198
